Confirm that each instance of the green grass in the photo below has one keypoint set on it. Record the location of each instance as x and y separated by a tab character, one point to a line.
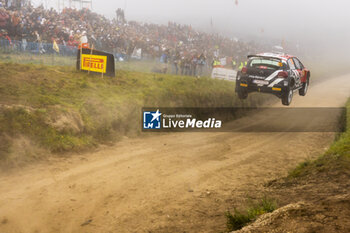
40	59
337	155
61	109
139	66
239	219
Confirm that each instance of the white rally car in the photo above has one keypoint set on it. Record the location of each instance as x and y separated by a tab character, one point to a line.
278	74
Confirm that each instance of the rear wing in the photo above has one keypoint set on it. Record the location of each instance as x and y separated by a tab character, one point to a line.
265	56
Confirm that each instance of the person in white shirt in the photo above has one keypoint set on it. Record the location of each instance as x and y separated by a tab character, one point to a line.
83	38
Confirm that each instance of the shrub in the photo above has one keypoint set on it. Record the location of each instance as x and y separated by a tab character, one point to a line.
239	219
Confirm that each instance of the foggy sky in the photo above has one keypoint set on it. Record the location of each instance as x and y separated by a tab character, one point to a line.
313	22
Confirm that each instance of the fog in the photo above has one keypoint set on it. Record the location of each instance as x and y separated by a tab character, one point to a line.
319	24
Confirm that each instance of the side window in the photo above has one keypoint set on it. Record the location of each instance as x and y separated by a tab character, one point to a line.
291	64
298	63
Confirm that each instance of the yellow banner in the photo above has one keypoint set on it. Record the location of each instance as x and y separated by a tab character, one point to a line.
95	63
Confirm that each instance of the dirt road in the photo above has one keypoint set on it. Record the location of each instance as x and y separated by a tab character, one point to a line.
181	182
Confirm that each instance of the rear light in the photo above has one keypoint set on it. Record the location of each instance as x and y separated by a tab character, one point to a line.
244	70
283	74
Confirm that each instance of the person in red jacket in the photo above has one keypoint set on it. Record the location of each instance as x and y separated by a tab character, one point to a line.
5	40
72	45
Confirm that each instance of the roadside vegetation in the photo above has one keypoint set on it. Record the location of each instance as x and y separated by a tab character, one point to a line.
337	155
238	219
39	59
58	109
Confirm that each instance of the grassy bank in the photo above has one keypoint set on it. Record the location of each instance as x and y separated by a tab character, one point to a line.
40	59
60	109
337	155
320	185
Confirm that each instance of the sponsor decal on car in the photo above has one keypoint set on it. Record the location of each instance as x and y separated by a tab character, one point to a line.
276	81
261	82
256	77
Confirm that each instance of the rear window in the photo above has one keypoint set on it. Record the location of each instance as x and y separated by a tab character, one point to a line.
264	63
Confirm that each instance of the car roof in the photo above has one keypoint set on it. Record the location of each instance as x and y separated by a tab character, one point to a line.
281	56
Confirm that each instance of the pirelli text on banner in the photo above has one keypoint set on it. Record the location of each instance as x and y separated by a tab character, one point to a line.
95	62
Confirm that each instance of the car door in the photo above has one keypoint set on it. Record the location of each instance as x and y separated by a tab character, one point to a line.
293	72
301	69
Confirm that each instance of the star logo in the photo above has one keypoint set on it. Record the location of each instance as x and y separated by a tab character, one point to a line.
151	120
156	115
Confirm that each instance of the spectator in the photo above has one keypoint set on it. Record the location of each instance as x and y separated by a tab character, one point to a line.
180	45
4	17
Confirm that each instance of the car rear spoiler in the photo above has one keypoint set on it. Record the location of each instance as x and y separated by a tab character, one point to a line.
271	57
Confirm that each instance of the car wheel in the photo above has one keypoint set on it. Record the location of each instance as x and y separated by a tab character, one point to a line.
287	97
242	93
303	90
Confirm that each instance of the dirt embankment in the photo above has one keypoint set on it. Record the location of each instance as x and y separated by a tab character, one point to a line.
315	202
314	196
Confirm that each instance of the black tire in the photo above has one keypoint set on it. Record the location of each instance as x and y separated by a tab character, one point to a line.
303	90
242	93
287	97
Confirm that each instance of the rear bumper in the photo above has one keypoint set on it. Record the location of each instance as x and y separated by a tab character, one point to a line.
250	87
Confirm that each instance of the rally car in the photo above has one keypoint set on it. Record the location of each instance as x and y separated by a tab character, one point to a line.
278	74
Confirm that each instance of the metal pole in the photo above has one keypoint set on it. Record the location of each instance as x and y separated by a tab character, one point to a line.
81	52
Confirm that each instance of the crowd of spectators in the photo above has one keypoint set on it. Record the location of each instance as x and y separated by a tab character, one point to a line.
188	50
